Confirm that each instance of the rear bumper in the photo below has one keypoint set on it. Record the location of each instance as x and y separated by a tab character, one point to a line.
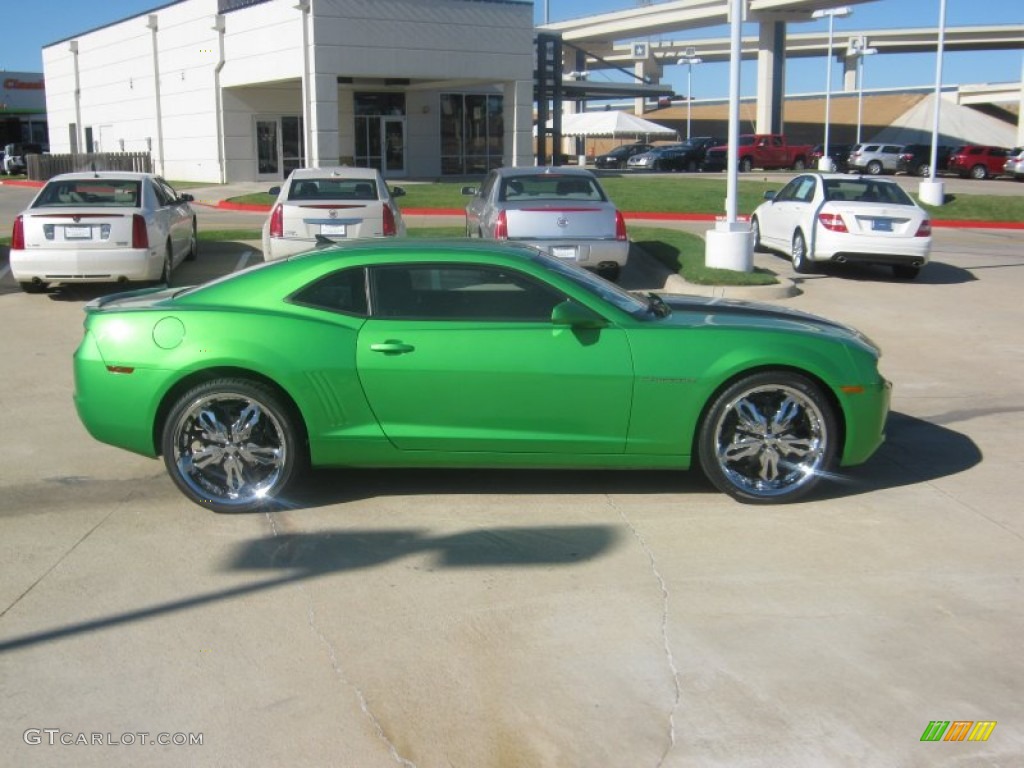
908	251
48	265
592	254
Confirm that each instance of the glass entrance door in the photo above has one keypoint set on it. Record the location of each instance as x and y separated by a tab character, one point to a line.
280	146
393	131
268	148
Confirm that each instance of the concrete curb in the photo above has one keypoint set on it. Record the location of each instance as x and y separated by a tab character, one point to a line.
785	289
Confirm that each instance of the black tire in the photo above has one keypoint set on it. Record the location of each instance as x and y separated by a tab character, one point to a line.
244	470
28	287
611	274
768	438
168	267
979	172
801	262
755	231
193	246
799	164
905	271
746	165
924	169
874	168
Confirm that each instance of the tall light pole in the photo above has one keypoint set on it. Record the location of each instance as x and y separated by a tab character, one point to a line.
860	54
932	191
825	162
689	60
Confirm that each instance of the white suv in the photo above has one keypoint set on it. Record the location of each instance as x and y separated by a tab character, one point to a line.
875	158
1014	166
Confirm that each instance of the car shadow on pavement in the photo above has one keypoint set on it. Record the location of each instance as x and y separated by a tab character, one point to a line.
915	451
933	273
295	557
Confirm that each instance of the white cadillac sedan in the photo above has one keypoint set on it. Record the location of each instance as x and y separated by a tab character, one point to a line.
102	226
839	218
320	205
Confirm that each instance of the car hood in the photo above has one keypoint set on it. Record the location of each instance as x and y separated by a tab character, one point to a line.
700	310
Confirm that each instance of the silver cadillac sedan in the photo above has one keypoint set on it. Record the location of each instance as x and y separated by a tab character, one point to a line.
562	211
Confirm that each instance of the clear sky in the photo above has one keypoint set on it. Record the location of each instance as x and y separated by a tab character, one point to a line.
31	24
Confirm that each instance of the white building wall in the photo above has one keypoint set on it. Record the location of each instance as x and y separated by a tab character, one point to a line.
468	46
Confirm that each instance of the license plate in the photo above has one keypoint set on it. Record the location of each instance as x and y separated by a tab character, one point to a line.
338	230
881	225
77	233
563	252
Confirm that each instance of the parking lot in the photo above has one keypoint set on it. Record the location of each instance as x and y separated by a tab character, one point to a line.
562	619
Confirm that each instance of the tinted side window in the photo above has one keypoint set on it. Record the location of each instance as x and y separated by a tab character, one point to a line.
788	192
343	291
460	292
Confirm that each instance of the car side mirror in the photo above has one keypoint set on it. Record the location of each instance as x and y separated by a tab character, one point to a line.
186	198
469	190
575	315
397	192
274	191
769	195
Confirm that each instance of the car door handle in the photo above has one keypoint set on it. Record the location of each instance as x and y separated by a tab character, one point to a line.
392	347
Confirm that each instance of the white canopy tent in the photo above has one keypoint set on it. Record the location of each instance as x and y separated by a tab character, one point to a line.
612	124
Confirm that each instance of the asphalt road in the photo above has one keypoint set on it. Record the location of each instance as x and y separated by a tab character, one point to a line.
562	619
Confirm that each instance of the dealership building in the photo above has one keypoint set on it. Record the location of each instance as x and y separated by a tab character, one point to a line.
22	107
248	90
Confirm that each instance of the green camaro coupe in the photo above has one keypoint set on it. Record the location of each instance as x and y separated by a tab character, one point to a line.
463	354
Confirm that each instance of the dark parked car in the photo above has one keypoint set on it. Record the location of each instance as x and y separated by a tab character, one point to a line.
617	157
916	159
839	153
978	162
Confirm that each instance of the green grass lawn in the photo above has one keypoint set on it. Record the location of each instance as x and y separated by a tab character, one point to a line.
683	193
683	253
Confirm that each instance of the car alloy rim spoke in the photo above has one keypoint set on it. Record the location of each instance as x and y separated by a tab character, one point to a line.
260	455
246	421
207	455
769	455
212	428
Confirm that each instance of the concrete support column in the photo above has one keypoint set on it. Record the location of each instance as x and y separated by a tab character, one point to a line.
518	114
771	76
324	146
850	73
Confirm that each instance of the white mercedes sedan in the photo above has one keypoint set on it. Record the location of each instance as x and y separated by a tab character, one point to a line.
839	218
102	226
325	205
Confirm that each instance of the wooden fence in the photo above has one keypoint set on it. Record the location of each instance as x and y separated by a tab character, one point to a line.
44	167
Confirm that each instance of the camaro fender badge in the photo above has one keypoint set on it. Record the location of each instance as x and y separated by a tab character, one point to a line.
562	222
667	380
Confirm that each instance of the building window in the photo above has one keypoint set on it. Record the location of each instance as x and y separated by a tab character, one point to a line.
472	133
379	120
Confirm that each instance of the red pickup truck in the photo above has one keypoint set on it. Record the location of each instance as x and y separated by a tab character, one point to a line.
760	150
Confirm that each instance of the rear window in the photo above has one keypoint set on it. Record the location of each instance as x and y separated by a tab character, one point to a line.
105	193
866	191
551	186
333	189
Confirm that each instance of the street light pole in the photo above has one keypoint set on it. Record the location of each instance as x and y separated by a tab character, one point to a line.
689	60
931	190
825	162
860	85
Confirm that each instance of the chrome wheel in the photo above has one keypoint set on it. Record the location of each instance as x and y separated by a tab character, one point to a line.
768	438
801	263
229	445
979	172
755	232
874	168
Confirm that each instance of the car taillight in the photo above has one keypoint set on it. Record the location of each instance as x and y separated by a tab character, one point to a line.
277	221
18	235
389	228
620	226
140	235
501	227
833	221
925	230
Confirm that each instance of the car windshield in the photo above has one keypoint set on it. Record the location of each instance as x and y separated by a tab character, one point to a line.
106	193
598	286
551	186
333	189
866	191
